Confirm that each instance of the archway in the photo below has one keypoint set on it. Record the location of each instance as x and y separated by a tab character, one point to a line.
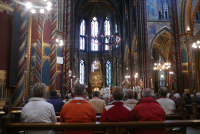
161	53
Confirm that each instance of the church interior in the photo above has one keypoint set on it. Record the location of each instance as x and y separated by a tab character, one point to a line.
98	43
130	41
152	42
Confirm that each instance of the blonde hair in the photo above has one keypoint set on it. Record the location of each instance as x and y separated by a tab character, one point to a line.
39	89
118	93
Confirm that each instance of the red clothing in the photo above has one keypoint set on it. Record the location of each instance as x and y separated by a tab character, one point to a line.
148	109
116	112
78	111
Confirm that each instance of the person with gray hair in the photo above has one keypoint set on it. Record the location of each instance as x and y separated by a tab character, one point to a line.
38	109
167	104
148	109
130	102
78	110
198	98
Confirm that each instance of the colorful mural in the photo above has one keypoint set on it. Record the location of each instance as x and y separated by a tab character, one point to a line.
152	11
154	27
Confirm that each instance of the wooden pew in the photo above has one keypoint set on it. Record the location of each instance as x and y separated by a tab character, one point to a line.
109	127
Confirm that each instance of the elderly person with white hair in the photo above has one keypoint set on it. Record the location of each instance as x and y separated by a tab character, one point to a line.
38	110
148	109
198	98
176	97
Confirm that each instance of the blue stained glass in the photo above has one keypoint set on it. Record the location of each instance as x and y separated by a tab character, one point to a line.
82	72
107	32
163	8
108	73
94	33
82	35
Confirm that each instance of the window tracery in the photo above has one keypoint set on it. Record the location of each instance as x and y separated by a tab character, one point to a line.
108	73
82	72
82	35
163	8
107	32
94	33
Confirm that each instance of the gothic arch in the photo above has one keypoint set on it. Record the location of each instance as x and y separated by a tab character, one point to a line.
193	16
167	29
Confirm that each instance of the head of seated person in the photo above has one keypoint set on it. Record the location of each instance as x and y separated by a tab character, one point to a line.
95	94
163	92
118	94
147	92
79	90
53	93
39	90
130	94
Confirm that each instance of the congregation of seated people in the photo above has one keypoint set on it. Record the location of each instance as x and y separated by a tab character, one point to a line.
122	107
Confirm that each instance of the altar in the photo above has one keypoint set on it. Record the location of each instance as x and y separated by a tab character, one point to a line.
96	77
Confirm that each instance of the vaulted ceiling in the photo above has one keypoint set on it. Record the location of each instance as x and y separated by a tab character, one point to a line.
98	8
162	45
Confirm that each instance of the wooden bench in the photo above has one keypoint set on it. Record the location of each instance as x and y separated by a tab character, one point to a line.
109	127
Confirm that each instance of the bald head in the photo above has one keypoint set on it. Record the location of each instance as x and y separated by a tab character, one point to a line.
147	92
163	91
130	94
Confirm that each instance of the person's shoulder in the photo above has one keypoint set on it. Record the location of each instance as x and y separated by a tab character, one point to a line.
126	107
109	107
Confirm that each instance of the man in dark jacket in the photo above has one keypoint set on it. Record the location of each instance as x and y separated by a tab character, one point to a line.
148	109
57	104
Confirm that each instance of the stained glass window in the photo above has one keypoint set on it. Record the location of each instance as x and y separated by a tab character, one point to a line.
108	73
82	35
94	33
107	32
163	8
116	33
117	79
82	72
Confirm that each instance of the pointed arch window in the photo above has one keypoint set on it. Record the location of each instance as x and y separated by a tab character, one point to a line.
82	35
107	32
82	72
108	73
163	8
94	33
117	79
116	31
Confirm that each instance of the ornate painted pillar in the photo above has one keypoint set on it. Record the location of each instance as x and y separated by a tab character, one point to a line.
175	47
184	63
38	70
53	45
17	95
190	56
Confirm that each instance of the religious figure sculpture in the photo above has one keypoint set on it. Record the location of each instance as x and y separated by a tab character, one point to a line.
96	77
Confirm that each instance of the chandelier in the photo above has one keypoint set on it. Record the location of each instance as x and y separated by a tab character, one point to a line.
159	66
41	6
107	39
196	44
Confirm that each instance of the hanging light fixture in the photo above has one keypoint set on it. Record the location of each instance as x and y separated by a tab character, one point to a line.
40	6
159	66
